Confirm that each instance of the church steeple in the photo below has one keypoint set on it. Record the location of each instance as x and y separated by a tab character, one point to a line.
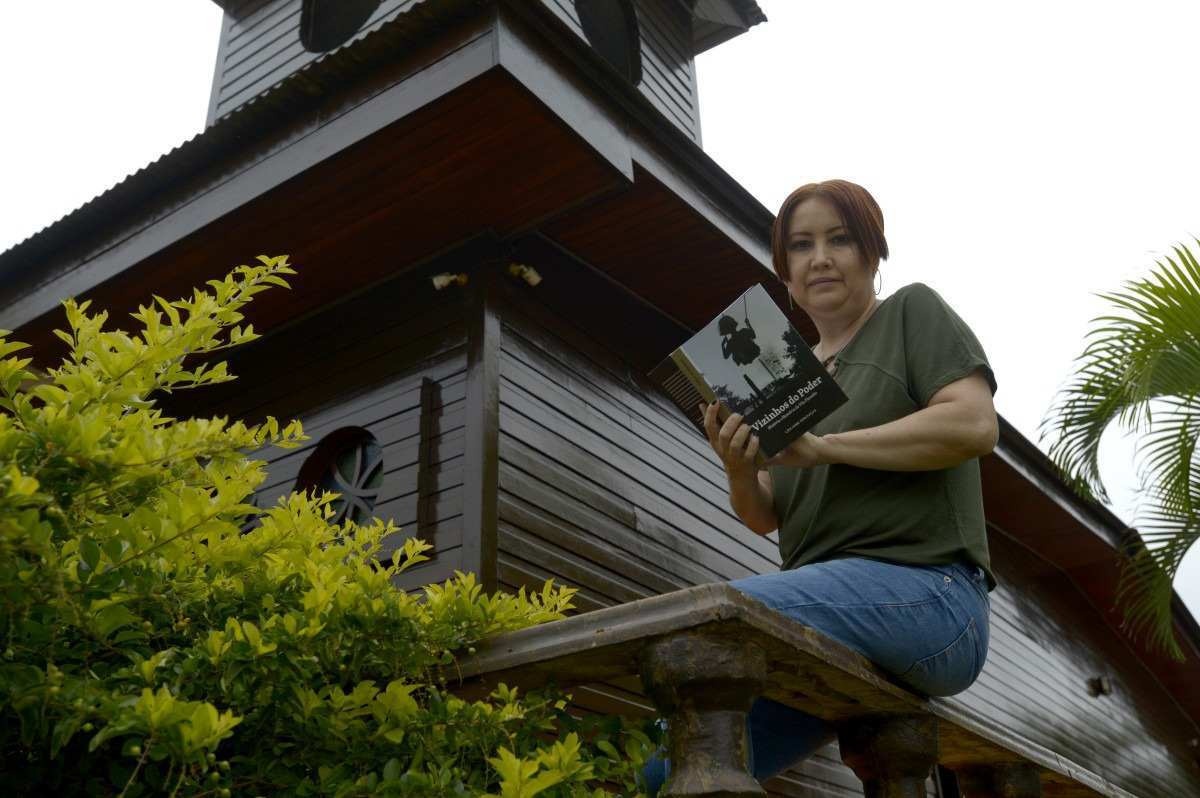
652	43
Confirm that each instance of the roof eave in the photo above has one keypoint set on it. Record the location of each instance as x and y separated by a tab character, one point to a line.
717	21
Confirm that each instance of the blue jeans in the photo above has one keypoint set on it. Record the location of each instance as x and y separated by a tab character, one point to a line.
925	625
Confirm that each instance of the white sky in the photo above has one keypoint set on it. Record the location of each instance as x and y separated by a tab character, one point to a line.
1027	155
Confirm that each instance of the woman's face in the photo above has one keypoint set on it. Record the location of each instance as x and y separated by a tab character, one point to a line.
827	273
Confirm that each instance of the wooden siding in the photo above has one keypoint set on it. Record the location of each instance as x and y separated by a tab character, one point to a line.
605	487
261	46
360	364
668	65
1046	642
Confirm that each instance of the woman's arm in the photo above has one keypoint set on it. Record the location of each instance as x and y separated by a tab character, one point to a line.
751	493
958	424
753	501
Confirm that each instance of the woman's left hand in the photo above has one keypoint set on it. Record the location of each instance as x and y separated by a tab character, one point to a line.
805	452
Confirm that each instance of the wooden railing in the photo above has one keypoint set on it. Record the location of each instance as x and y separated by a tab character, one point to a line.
704	654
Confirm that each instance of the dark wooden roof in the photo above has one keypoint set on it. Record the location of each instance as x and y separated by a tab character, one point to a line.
228	138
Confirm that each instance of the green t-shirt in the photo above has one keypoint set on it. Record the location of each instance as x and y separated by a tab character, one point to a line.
912	346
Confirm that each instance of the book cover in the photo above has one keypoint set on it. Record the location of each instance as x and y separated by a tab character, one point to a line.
753	361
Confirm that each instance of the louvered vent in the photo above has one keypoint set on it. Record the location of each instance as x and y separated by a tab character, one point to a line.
328	24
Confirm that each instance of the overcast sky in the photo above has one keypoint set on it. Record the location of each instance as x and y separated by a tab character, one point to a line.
1027	155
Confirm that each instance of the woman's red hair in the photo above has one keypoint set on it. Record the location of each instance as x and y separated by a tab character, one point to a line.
858	209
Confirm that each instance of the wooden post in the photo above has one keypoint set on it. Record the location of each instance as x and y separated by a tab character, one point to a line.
704	686
482	422
892	755
1013	780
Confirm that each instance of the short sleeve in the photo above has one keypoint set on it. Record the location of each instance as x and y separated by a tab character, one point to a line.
939	347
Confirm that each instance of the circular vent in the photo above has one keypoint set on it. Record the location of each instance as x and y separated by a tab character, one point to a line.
350	462
327	24
611	27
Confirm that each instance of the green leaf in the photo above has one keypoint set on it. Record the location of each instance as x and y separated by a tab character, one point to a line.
113	617
89	552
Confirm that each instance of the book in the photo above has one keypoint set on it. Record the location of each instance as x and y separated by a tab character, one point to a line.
754	362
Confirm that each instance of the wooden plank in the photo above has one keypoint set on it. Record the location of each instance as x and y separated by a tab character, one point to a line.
573	572
549	337
585	453
445	504
397	437
430	394
656	513
540	402
295	389
615	427
515	573
446	536
670	439
553	515
438	571
528	474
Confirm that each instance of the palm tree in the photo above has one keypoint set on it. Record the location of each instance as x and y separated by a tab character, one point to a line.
1141	367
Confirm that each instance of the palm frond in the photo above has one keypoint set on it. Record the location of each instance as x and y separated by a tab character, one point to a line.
1141	368
1144	589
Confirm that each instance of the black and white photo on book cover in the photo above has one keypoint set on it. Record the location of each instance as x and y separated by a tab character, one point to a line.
753	361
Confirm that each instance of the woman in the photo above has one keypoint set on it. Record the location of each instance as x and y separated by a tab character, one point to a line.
879	508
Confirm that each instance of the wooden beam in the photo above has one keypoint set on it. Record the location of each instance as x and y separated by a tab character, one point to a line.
539	52
559	85
481	467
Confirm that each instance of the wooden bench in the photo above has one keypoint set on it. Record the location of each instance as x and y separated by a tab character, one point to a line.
704	654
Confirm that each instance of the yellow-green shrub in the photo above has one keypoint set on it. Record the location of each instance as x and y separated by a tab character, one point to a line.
150	646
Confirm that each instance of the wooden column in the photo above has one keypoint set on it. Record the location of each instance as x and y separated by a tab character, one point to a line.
1015	780
891	754
481	460
704	686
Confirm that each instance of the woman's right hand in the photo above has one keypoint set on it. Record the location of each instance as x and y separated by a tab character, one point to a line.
734	442
751	492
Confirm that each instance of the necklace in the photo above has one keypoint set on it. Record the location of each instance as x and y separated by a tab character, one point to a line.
825	363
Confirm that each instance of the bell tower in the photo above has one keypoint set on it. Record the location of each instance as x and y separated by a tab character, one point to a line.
651	43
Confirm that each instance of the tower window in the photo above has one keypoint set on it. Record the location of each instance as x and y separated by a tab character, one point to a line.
611	27
327	24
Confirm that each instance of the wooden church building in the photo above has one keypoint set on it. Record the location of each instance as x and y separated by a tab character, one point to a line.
541	162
